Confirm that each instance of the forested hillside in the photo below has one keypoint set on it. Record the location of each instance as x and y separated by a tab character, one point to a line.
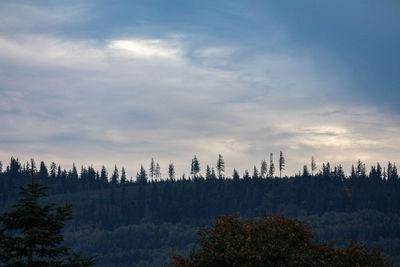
138	222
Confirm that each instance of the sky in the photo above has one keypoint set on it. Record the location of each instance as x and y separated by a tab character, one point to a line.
119	82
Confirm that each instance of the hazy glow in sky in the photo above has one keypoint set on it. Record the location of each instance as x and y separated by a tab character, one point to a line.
99	82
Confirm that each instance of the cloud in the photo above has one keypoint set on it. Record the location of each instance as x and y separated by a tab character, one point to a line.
126	98
145	48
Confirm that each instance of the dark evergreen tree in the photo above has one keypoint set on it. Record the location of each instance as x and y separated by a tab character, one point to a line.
255	173
103	176
271	166
53	170
152	168
123	176
281	164
30	233
171	171
235	175
43	173
305	171
264	169
208	172
141	176
313	166
115	176
220	166
157	171
213	175
378	171
195	168
246	175
15	166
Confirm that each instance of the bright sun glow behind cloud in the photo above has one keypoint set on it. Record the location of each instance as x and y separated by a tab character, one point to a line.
146	48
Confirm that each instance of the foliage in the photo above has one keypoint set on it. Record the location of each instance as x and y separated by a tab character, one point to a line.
271	241
30	233
364	206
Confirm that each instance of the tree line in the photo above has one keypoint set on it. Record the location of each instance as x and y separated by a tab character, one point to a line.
66	181
106	204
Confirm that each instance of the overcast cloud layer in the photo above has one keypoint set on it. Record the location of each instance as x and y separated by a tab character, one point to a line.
101	83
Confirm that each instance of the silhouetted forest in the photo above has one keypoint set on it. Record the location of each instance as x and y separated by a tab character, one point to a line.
139	221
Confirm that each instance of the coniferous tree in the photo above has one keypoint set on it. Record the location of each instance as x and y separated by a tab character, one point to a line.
141	176
271	166
123	176
195	168
171	171
353	172
43	173
157	171
264	169
103	176
74	174
235	175
378	171
30	233
305	171
115	176
15	166
246	175
208	172
213	175
360	170
313	166
281	164
53	170
152	168
1	167
255	173
220	166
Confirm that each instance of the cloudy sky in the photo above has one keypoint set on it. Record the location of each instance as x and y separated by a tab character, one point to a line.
119	82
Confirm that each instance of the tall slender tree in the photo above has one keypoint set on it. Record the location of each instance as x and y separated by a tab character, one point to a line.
255	173
152	168
313	166
115	176
157	171
271	165
123	176
171	171
264	169
195	169
220	166
281	164
208	172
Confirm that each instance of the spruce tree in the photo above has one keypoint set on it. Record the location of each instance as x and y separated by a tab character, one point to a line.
195	169
271	166
171	171
152	168
115	176
157	171
123	176
313	166
220	166
264	168
141	177
30	233
281	164
235	175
